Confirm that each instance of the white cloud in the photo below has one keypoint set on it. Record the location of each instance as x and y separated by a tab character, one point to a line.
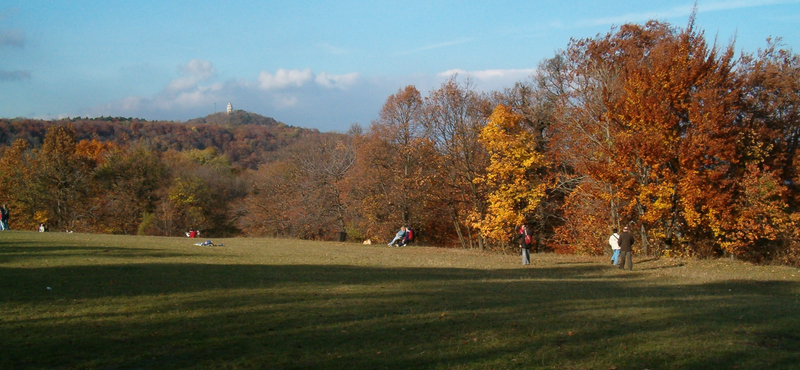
286	101
195	71
490	79
491	74
191	99
181	84
294	78
198	68
284	78
336	81
130	103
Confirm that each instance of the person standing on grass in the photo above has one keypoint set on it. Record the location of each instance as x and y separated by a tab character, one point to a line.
625	249
4	217
525	242
613	241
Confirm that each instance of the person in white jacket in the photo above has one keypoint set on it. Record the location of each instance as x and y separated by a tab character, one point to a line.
613	240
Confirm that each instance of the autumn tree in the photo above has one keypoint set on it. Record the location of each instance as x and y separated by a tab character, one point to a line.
391	181
202	189
581	146
515	189
60	180
303	194
129	180
401	130
453	117
652	118
771	80
765	228
534	101
272	205
15	175
323	165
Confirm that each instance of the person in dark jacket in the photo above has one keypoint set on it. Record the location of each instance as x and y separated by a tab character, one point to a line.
525	242
4	214
408	238
625	249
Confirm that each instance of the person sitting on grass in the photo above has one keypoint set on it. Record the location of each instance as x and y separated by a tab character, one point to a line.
398	237
408	238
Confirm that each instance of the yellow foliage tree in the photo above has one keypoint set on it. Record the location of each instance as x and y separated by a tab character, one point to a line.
515	188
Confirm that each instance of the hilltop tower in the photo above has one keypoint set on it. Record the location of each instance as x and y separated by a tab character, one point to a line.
230	108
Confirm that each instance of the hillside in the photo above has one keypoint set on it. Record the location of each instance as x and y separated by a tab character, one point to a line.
248	139
236	118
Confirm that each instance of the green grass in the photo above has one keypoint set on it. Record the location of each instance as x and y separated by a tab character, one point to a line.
122	302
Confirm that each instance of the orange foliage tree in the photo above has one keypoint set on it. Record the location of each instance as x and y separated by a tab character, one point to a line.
61	179
650	120
515	188
15	175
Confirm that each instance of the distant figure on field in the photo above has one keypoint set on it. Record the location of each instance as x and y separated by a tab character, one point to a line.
525	243
613	241
208	243
4	213
42	228
398	237
408	238
193	233
626	249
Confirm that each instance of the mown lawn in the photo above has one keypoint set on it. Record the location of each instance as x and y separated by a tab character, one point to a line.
80	301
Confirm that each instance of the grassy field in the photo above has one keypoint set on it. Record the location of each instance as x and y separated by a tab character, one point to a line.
79	301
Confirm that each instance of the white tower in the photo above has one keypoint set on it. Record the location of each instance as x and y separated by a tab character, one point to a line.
230	108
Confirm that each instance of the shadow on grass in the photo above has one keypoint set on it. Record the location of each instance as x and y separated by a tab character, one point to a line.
170	316
12	250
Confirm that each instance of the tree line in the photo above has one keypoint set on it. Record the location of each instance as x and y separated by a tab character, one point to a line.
648	126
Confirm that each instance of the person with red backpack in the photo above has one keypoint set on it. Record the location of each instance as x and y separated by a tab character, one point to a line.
408	238
525	242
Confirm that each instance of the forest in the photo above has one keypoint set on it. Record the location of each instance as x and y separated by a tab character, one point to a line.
649	126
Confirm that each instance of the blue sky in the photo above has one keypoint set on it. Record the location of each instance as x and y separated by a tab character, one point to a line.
316	64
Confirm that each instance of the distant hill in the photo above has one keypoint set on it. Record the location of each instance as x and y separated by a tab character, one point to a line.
236	118
248	139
